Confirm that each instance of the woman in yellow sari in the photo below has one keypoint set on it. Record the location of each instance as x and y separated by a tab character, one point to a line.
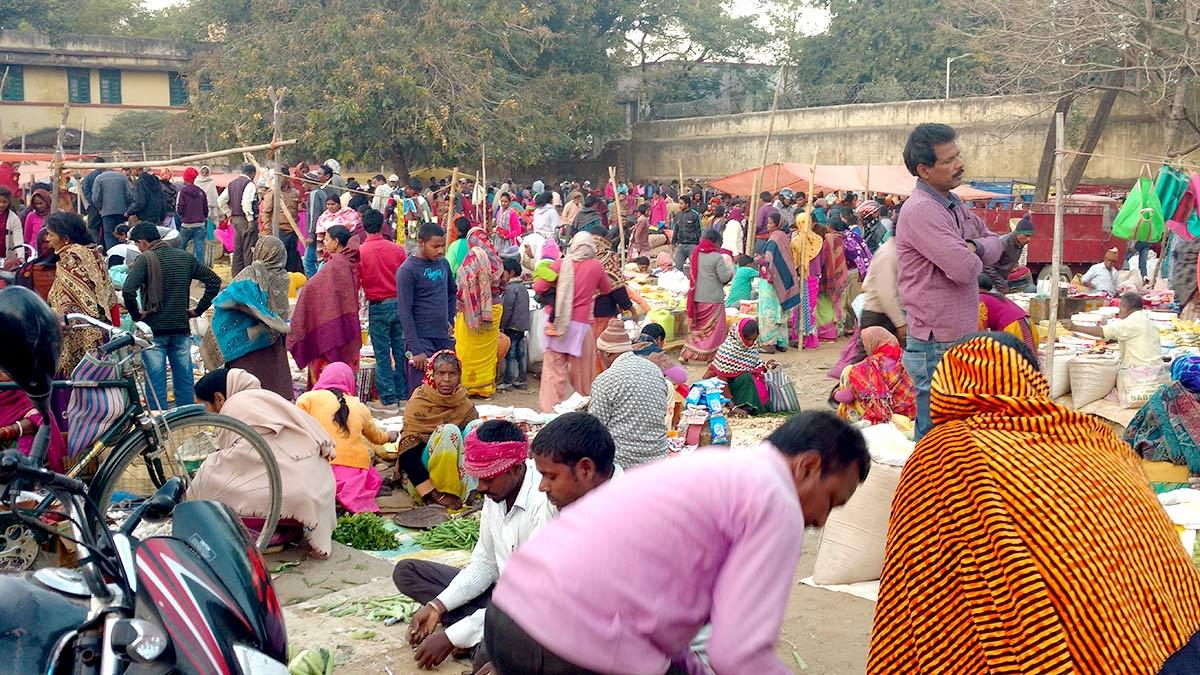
1024	538
477	325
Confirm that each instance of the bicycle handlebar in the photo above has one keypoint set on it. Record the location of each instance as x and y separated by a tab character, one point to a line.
122	334
14	464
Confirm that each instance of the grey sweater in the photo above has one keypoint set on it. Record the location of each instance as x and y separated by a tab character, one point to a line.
711	276
112	193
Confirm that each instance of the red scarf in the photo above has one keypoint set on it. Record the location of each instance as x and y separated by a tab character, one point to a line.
705	246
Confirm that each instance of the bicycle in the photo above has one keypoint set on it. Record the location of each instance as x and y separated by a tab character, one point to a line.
142	449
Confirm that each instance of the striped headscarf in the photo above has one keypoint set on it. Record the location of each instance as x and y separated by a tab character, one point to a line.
1025	539
735	355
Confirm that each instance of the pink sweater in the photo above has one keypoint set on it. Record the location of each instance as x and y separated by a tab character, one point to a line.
590	280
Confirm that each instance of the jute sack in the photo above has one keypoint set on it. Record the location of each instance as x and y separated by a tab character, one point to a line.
853	540
1093	377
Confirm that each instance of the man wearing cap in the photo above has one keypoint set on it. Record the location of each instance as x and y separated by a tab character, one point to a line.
497	455
1104	276
630	398
1010	256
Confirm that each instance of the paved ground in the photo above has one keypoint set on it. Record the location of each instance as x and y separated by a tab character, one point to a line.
824	633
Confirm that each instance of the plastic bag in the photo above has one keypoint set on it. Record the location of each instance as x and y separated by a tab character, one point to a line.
1141	217
1178	193
852	543
1092	378
782	391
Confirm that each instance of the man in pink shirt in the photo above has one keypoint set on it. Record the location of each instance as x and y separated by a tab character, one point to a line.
941	248
378	260
624	578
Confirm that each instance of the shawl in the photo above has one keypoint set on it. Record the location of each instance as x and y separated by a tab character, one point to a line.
508	225
1024	538
1000	311
337	376
705	246
783	271
1186	370
835	277
1183	270
243	322
1167	427
234	474
152	292
268	271
346	217
857	252
477	279
607	255
734	356
82	284
326	323
583	247
806	244
14	407
427	410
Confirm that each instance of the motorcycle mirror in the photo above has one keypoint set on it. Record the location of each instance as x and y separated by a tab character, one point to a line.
162	504
32	337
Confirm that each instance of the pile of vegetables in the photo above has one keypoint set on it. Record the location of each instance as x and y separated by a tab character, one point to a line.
390	609
365	532
317	661
456	533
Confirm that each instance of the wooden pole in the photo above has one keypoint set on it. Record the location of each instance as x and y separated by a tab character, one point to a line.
179	160
812	187
450	211
867	187
680	162
612	178
56	165
751	218
762	164
22	140
1056	252
287	214
276	98
143	151
82	131
487	209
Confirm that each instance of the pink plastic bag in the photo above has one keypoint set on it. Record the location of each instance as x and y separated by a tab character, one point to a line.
225	236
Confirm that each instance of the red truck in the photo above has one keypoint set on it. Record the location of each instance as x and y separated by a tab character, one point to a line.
1087	231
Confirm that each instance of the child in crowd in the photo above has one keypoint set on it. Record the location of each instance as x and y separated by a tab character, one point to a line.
119	254
643	265
515	323
742	286
545	271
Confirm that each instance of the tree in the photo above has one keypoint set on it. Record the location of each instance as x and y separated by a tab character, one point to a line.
64	17
1073	48
366	86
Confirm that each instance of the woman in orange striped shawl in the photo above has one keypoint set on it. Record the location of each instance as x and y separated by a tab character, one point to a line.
1025	539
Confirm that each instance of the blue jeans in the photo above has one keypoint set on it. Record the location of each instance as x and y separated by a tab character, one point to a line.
178	350
387	338
197	235
516	361
1142	250
921	358
310	260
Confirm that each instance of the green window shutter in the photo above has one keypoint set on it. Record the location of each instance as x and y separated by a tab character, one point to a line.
79	85
178	89
110	86
14	85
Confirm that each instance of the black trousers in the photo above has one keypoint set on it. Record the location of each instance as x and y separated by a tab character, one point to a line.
515	652
422	581
410	463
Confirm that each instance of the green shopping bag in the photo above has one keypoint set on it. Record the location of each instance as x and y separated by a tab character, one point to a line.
1141	217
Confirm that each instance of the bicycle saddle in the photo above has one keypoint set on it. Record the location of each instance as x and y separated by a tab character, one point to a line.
30	340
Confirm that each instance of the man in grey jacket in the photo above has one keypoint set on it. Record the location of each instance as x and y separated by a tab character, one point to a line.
112	193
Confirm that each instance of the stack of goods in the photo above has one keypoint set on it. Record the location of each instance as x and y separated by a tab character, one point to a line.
704	403
1181	337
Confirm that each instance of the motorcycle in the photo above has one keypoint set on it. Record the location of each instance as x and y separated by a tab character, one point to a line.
199	601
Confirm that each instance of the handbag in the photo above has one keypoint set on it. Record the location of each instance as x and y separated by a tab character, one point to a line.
782	391
1178	193
1141	217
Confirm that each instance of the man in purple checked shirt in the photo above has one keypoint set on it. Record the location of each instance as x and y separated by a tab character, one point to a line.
625	577
941	248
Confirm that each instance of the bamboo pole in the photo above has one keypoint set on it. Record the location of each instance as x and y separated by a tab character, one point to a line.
612	179
287	214
82	131
57	165
450	211
762	164
143	151
1056	252
680	162
751	218
151	164
487	209
276	98
812	187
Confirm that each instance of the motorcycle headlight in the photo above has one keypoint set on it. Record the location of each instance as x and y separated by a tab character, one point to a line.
255	662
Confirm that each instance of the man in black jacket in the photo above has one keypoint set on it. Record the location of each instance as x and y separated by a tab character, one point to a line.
164	277
686	230
147	203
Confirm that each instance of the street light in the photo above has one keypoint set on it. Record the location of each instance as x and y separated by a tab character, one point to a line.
950	60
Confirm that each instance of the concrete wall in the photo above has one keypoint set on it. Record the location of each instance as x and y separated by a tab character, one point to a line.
1001	138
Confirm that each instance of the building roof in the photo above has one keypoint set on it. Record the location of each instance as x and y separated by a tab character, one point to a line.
90	51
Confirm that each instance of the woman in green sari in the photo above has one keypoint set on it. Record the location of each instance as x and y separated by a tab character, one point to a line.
457	251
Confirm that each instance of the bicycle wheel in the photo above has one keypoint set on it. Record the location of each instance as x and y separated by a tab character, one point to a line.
134	472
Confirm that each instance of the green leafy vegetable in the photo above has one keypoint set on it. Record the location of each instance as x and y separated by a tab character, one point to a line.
397	607
365	532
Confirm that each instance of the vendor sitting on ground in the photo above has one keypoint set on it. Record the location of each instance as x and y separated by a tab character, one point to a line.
998	313
877	387
1014	243
349	423
630	398
738	364
1167	428
1104	276
236	477
435	421
1134	332
575	454
497	455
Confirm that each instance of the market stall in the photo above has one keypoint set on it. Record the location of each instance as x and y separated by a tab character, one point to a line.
887	179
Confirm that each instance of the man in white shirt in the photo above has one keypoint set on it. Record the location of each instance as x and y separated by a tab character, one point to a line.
1137	335
382	193
1103	276
497	455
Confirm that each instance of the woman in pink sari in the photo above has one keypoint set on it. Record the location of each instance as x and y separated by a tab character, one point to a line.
835	279
508	223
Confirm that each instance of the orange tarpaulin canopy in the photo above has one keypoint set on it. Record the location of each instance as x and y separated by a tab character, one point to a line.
886	179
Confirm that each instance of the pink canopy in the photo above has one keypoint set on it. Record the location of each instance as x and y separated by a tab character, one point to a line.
39	171
887	179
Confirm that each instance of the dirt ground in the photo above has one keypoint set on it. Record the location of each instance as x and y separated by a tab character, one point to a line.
824	633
